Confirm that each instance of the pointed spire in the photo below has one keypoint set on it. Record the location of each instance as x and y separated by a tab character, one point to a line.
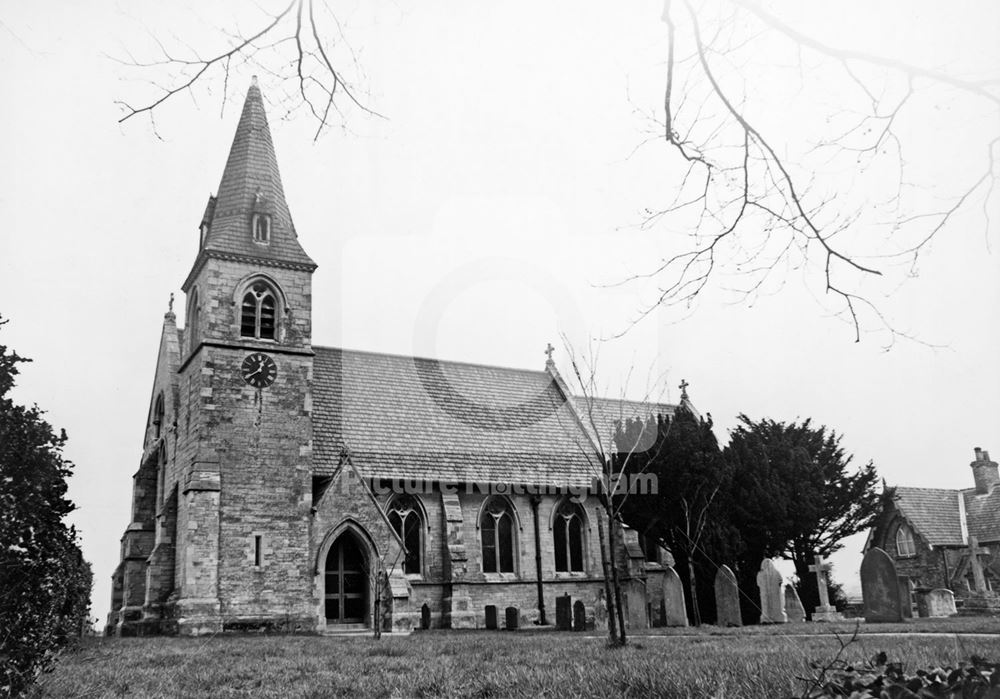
251	185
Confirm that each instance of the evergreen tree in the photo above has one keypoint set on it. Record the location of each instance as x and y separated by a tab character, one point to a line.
793	496
685	514
45	582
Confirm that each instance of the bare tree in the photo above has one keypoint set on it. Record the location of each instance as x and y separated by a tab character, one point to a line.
610	463
301	48
846	207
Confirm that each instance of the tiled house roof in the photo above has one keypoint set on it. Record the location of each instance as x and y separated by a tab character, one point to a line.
937	516
251	184
983	513
407	417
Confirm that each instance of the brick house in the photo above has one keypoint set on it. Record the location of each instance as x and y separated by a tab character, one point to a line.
947	538
289	485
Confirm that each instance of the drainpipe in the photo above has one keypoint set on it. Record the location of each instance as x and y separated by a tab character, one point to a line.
538	562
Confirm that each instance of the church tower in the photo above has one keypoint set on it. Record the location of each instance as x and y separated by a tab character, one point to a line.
244	424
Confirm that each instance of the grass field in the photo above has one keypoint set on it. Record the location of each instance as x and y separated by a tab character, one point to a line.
474	664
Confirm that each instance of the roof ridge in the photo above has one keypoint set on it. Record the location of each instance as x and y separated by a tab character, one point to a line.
937	490
482	365
398	355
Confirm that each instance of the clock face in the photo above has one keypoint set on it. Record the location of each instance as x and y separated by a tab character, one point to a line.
259	370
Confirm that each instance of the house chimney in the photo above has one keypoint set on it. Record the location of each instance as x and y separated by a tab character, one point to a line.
984	471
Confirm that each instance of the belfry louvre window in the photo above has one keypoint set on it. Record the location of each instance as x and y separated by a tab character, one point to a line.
497	529
261	224
404	516
567	533
904	542
258	312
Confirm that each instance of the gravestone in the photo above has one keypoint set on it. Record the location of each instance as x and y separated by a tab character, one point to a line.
825	611
941	602
880	588
491	618
600	609
512	618
425	617
793	605
564	613
905	597
579	616
772	599
673	599
727	598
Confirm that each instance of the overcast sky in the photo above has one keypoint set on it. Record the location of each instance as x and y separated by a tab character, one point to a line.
483	219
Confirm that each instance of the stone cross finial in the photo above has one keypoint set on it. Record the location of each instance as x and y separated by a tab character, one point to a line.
170	304
549	349
821	568
684	388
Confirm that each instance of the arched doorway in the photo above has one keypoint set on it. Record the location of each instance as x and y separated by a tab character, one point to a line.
346	582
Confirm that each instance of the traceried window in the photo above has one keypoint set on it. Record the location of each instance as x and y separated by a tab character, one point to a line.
404	516
497	529
904	542
258	312
158	417
567	532
261	224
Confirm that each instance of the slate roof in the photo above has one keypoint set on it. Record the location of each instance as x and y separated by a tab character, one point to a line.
251	184
609	411
983	514
935	514
410	417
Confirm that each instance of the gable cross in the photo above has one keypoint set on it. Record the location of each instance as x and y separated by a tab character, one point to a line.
549	349
975	551
821	568
684	388
170	304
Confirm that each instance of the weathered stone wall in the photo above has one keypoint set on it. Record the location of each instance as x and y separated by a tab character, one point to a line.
347	507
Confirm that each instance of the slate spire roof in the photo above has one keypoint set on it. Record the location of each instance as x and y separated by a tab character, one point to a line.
251	184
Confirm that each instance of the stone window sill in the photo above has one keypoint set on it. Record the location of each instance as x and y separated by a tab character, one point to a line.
500	577
570	574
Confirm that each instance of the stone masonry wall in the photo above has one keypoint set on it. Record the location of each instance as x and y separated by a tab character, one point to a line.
254	446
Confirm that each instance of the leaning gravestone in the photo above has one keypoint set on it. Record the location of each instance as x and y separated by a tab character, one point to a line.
793	605
579	616
727	598
512	617
941	602
673	599
564	613
491	617
772	599
880	588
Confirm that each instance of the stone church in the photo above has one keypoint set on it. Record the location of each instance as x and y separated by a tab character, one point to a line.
949	539
286	485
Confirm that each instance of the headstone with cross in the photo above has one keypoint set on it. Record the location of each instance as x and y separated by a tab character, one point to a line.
975	551
825	611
